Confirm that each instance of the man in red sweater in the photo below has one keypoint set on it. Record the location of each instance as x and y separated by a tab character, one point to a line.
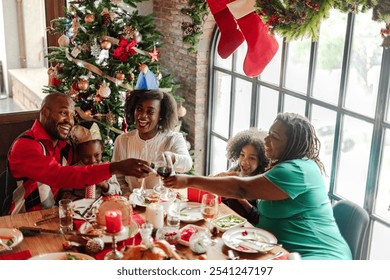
40	161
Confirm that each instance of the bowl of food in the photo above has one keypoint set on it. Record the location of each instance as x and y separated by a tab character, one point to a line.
186	233
229	221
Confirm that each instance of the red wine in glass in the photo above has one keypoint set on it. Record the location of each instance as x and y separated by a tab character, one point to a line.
164	171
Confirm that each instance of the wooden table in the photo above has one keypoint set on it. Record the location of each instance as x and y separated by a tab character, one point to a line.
50	243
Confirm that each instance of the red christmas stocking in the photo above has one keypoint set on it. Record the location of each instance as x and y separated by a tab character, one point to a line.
231	37
261	45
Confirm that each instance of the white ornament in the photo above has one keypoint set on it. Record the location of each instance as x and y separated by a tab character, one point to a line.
104	91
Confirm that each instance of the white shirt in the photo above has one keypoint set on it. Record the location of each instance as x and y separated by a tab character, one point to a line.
130	145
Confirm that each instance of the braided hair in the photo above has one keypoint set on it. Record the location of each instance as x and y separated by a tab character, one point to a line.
302	140
252	137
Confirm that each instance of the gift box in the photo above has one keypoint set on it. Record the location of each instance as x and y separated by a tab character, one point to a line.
195	195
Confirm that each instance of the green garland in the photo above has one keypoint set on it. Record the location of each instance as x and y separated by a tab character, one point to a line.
292	19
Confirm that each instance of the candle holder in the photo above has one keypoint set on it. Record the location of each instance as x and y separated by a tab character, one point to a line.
114	254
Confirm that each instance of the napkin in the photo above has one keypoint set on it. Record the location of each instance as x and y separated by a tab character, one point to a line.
22	255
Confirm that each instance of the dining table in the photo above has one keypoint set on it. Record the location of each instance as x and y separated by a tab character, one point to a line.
41	244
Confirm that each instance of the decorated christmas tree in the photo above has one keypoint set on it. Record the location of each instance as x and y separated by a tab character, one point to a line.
104	50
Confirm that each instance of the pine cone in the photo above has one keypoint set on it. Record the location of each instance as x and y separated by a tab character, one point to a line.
106	19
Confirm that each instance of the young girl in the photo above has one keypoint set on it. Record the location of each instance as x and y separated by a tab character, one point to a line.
246	150
89	149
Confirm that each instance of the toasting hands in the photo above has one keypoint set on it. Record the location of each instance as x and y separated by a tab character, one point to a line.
177	181
130	167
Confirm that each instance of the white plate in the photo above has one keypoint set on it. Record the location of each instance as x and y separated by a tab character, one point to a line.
231	236
190	212
227	222
61	256
81	205
127	232
14	233
135	199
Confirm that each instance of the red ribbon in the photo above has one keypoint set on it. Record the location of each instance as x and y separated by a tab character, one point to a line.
124	49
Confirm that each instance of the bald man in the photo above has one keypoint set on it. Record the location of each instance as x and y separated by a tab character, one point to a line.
40	160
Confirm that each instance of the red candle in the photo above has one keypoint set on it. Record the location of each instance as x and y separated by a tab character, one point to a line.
113	221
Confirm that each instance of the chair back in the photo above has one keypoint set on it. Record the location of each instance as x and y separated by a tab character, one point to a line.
352	221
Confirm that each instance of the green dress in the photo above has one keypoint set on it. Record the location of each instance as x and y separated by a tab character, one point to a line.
303	223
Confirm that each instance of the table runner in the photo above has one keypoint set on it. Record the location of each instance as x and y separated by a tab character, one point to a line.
22	255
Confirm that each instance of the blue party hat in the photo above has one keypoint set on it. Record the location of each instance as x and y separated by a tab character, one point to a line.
146	79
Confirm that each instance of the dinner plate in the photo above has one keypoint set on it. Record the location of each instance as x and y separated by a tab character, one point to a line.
190	212
128	232
136	199
233	237
62	256
15	234
81	205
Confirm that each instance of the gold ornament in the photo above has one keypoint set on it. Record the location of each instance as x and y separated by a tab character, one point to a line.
181	111
107	16
89	18
83	84
130	32
104	90
63	41
130	77
120	76
106	45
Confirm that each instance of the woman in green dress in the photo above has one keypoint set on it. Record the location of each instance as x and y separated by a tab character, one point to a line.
293	201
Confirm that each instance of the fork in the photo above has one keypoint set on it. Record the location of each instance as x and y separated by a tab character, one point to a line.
7	247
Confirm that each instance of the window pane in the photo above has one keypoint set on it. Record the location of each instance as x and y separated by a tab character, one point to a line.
240	56
324	121
298	65
353	161
380	246
242	105
382	203
364	70
271	73
219	61
221	105
218	161
268	107
294	105
329	58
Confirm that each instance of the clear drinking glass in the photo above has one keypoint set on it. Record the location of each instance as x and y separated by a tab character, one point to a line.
164	170
209	208
65	213
173	215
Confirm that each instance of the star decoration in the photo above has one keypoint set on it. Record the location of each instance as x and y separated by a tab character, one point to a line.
154	54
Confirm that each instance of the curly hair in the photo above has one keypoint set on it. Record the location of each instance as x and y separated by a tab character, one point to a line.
253	137
302	140
168	107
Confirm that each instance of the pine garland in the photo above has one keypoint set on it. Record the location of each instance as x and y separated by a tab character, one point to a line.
292	19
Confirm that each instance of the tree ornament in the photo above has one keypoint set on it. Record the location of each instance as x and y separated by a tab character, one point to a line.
63	41
89	18
120	76
154	54
158	76
130	77
108	141
104	90
124	49
105	44
110	118
95	50
181	110
107	16
130	32
83	84
116	2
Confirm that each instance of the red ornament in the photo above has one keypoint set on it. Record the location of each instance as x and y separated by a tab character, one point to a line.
124	49
154	54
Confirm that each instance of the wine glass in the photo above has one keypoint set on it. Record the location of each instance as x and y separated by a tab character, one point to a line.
209	208
164	170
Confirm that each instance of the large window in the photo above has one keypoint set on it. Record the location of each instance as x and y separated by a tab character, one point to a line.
341	83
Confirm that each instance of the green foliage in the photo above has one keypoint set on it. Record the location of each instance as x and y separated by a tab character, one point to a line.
84	58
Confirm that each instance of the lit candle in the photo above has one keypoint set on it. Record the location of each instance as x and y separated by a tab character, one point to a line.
113	221
155	215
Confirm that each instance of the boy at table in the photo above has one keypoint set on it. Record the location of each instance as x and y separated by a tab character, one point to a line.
89	150
40	162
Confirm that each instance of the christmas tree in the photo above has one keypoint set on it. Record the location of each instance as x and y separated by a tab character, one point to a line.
103	48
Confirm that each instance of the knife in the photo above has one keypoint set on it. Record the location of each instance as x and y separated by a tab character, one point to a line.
35	230
252	240
260	247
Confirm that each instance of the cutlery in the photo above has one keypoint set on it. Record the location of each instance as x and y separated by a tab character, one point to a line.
277	255
253	240
48	219
89	209
33	231
7	247
232	255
